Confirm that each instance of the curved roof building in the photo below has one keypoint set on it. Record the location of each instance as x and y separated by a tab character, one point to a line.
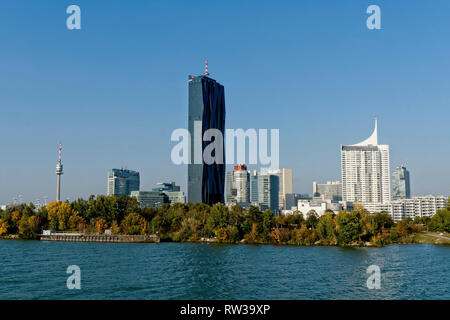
365	171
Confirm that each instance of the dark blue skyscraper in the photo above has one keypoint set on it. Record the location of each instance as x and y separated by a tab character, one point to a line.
206	182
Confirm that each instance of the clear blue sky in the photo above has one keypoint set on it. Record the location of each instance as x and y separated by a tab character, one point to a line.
114	91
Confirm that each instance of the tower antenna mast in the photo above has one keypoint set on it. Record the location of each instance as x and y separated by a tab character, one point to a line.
59	172
206	68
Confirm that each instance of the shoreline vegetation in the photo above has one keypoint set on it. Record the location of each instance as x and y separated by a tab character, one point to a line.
202	223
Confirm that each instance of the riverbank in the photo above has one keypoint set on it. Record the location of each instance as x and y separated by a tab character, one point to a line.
218	223
416	238
432	237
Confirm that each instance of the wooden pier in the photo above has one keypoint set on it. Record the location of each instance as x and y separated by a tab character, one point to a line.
80	237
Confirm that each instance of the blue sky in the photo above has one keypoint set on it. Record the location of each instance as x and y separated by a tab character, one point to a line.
114	91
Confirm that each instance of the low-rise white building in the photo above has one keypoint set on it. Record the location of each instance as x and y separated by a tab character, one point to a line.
320	207
424	206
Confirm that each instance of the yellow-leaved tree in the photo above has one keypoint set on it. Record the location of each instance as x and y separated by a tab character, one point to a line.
4	225
101	226
61	216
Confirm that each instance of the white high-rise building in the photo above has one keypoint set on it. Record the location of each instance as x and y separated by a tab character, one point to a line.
365	171
238	185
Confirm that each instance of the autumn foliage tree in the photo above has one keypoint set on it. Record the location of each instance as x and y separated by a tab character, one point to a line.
61	215
101	226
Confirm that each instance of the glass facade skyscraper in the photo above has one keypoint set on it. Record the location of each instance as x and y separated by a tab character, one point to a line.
122	181
400	184
332	190
264	191
285	177
206	182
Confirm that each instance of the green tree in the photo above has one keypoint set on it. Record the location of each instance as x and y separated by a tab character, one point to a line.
326	228
187	231
267	222
28	227
349	226
82	207
304	236
218	217
382	220
252	221
312	219
440	221
233	234
131	224
294	220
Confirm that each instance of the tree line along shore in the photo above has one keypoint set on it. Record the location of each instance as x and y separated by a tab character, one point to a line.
200	222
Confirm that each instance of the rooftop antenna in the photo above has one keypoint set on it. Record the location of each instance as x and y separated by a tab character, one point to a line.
206	68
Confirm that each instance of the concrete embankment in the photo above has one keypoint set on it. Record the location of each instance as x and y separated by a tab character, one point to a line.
79	237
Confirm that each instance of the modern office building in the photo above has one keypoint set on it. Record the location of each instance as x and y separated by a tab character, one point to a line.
122	181
172	191
164	193
264	190
285	177
254	187
365	171
166	186
175	197
291	200
206	182
425	206
238	185
153	199
332	190
400	184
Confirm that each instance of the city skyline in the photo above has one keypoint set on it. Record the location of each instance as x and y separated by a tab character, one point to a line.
130	100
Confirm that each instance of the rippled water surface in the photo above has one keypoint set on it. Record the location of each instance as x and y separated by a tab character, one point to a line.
37	270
